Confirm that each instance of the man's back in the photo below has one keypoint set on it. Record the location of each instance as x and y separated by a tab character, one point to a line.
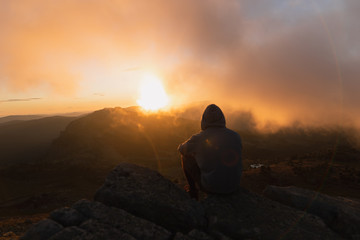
217	151
219	158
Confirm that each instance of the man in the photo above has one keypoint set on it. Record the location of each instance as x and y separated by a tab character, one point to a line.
211	159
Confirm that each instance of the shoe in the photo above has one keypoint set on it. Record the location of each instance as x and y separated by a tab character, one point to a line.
193	193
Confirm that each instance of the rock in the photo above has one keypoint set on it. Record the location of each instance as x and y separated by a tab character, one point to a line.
196	234
94	220
42	230
121	220
199	235
99	230
138	203
218	235
69	233
147	194
340	214
67	217
245	215
181	236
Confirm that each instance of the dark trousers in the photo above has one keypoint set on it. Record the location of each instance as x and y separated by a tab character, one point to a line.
192	172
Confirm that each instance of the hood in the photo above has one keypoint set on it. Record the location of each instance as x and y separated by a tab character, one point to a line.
212	117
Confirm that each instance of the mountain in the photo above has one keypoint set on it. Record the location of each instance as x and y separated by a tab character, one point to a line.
27	141
113	135
19	118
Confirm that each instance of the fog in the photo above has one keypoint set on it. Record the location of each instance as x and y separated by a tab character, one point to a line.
280	61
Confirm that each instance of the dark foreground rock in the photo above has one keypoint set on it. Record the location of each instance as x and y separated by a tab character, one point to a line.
145	193
248	216
340	214
94	220
138	203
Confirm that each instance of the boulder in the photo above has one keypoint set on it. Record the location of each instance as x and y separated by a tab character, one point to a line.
94	220
67	216
147	194
42	230
245	215
121	220
98	230
196	234
69	233
340	214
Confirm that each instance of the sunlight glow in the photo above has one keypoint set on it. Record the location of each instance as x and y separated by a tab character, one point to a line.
152	93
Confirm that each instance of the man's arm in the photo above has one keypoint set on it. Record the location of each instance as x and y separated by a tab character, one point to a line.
189	146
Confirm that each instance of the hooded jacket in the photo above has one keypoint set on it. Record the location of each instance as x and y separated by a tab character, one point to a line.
217	151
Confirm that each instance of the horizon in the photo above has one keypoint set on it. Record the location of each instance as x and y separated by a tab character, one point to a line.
282	61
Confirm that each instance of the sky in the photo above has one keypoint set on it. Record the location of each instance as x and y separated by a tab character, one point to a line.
285	61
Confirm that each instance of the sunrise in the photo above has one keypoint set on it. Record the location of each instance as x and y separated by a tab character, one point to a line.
181	119
152	93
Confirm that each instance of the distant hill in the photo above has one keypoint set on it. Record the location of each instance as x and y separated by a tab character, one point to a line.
115	134
27	141
19	118
15	118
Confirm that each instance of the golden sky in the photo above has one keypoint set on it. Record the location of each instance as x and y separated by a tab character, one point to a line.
279	59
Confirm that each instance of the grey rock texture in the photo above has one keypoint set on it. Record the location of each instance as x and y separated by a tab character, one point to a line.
340	214
122	220
67	216
43	230
145	193
246	215
69	233
138	203
98	222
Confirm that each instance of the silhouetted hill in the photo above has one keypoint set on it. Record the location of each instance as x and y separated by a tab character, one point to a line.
122	134
109	136
28	141
19	118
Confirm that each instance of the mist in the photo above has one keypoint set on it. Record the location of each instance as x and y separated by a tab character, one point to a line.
280	61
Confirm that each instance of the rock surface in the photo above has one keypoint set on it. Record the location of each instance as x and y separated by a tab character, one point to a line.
138	203
340	214
246	215
95	220
145	193
43	230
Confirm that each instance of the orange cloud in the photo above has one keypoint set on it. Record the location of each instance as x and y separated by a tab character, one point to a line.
297	61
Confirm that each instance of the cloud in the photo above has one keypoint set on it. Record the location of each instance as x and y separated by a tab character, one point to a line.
20	100
282	60
286	68
133	69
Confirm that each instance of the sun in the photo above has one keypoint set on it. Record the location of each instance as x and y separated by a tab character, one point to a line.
152	93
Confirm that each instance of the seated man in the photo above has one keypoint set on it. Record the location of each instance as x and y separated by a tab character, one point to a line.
211	159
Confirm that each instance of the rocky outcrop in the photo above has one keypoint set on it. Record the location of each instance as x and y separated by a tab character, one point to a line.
145	193
138	203
247	215
340	214
94	220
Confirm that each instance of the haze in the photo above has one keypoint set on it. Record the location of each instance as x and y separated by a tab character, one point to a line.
282	60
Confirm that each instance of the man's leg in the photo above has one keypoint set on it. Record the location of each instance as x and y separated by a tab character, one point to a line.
192	174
